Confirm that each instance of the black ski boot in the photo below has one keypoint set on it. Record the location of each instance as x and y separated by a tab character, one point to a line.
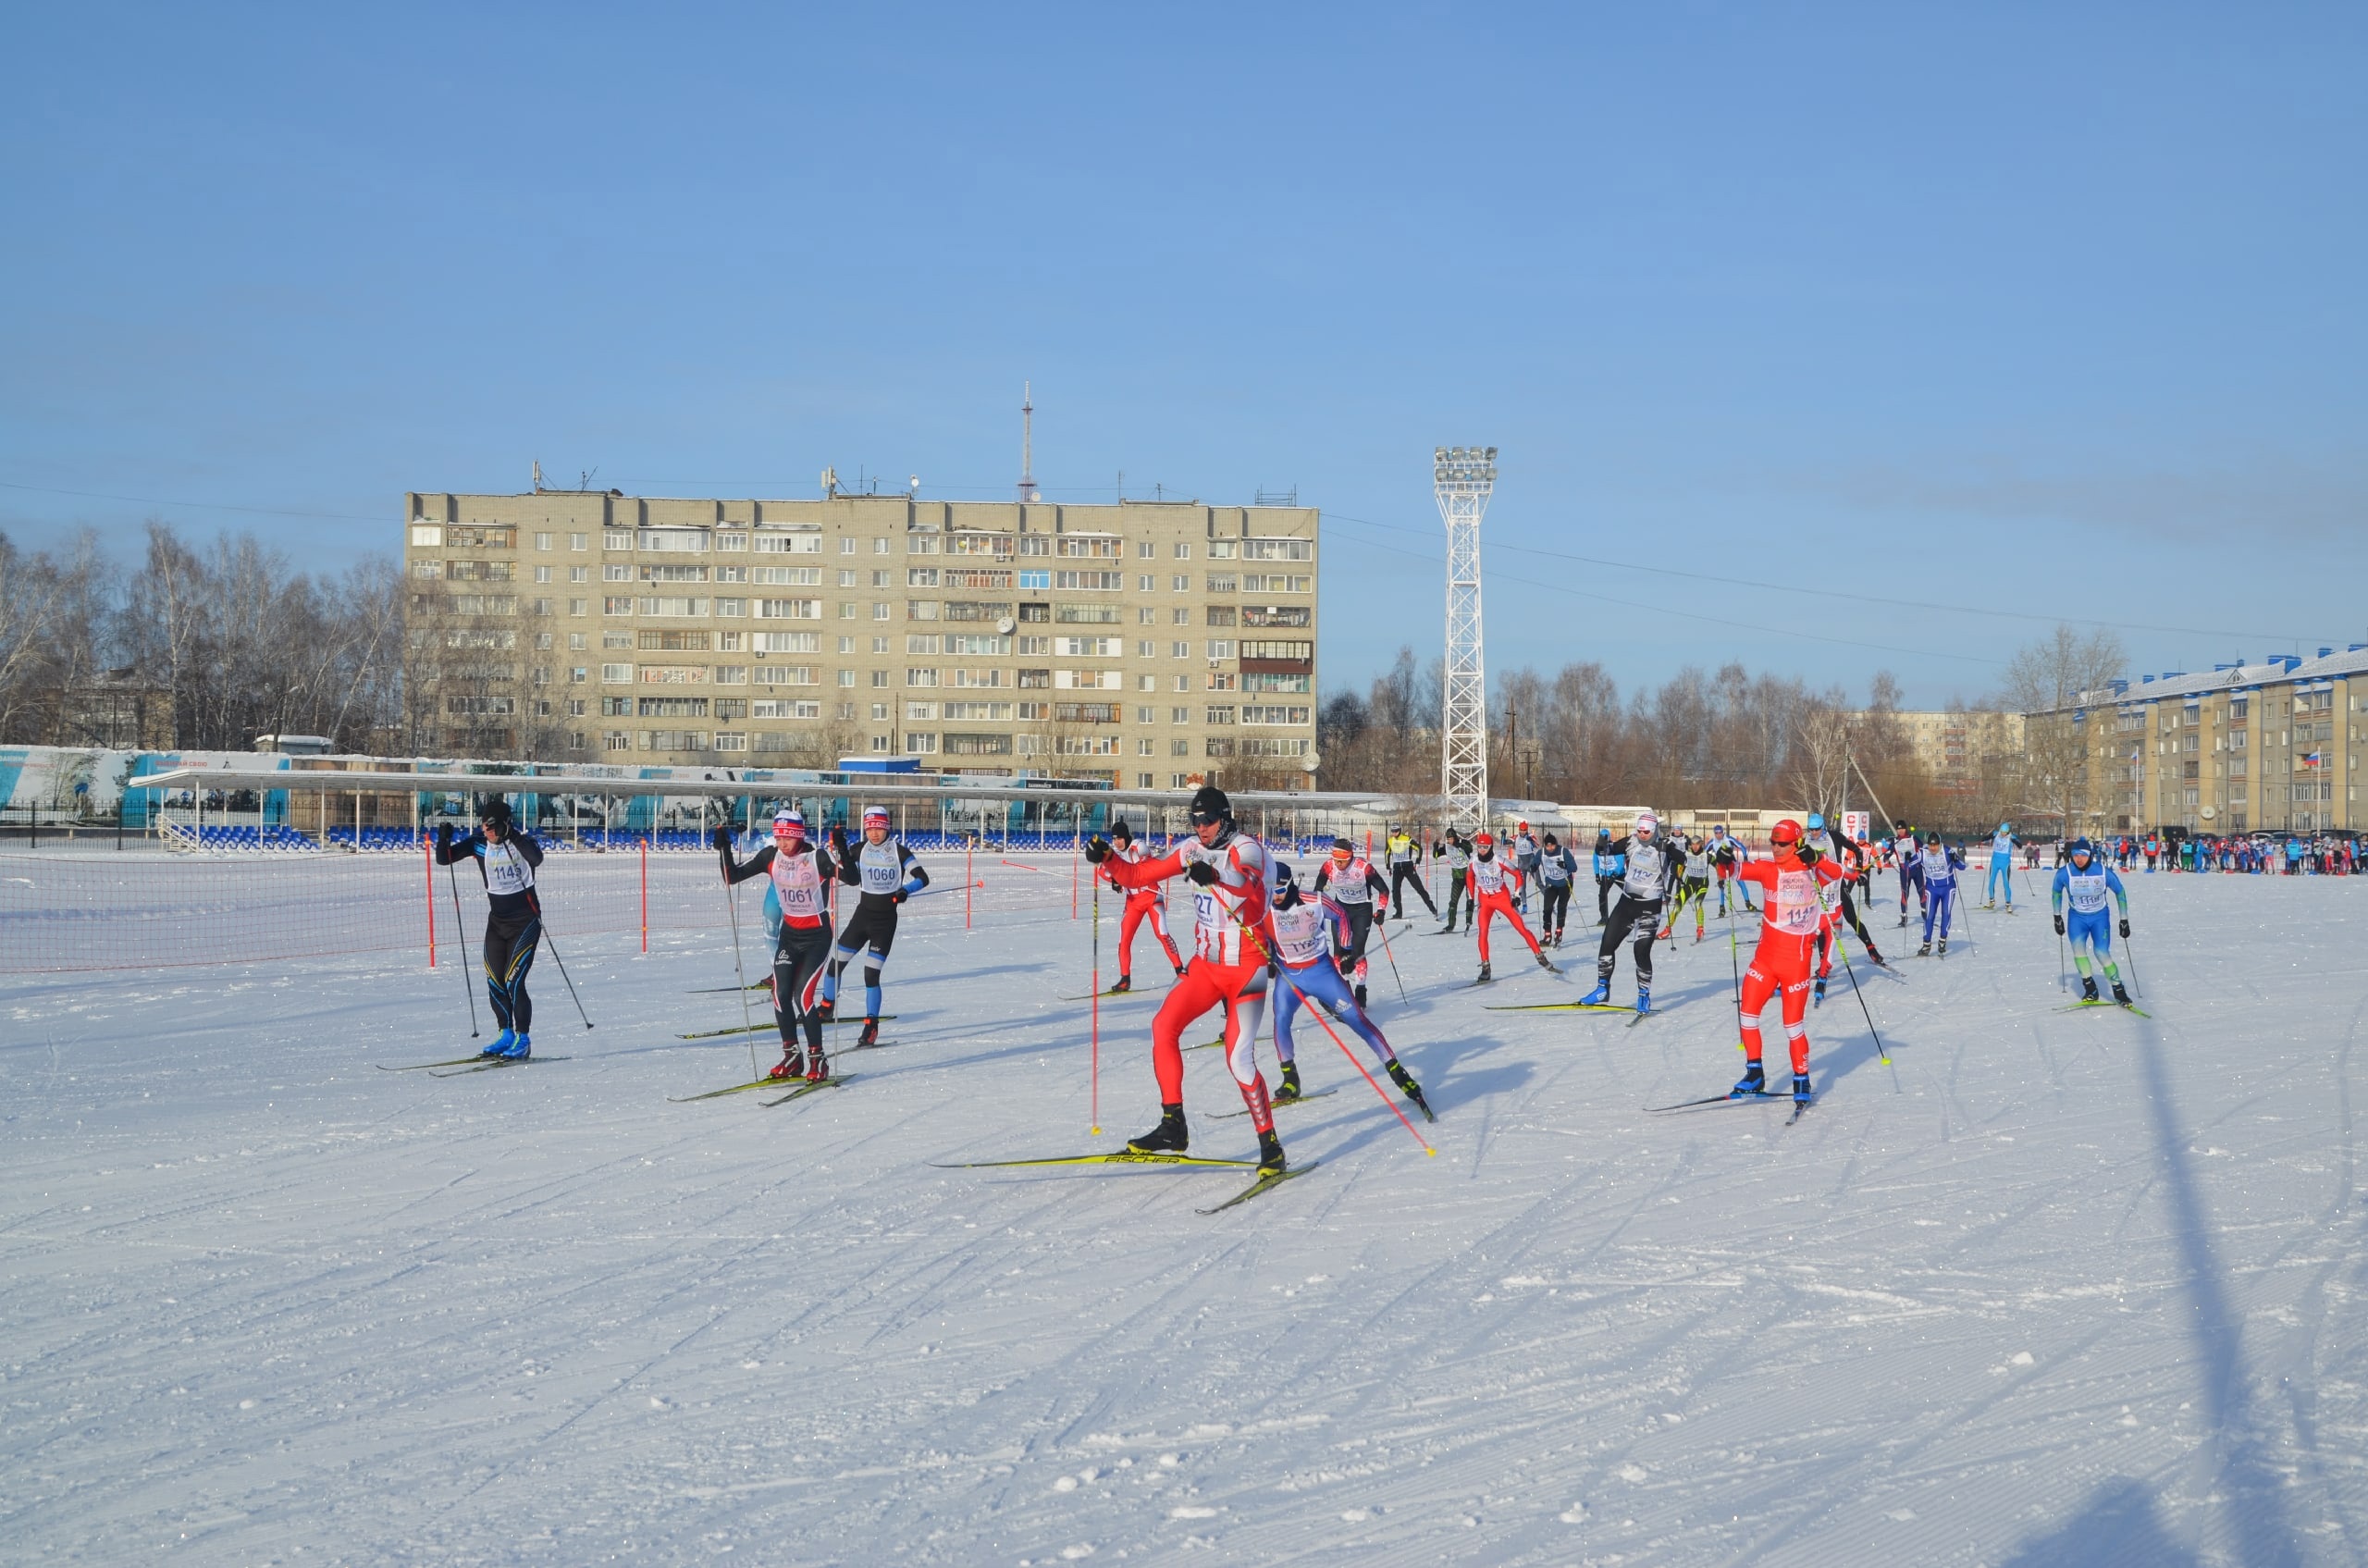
1179	971
1876	958
2120	995
2087	988
1924	951
870	1035
1287	1089
1484	976
1170	1136
1546	964
1124	983
1406	1084
1361	996
1944	947
1270	1153
824	1009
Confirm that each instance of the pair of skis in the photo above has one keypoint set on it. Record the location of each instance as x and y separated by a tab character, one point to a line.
1762	1098
762	1027
2106	1001
1635	1016
460	1064
1266	1180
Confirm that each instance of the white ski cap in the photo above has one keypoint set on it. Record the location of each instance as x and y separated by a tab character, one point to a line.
874	814
1648	823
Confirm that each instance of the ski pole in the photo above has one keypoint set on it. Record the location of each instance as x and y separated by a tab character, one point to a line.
2132	953
1734	968
739	972
1853	974
1093	1074
1318	1014
570	979
2062	981
1393	961
460	933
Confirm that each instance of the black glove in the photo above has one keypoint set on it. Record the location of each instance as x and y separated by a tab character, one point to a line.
443	835
2125	928
2059	925
723	838
1096	850
1201	872
1808	855
898	896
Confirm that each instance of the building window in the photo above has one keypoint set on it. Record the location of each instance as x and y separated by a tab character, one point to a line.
1221	549
617	740
881	612
616	674
579	541
579	574
1179	583
542	541
1179	715
732	541
880	644
1146	748
616	541
426	535
1220	713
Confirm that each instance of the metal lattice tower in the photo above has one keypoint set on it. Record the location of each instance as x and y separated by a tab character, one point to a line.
1464	478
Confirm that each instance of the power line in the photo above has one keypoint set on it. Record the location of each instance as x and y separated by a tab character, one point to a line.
199	505
1859	599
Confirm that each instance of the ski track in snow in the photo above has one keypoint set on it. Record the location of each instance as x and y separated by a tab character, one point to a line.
2049	1289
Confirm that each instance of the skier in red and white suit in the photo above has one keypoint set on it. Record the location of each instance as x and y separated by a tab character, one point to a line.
1793	919
1142	904
1493	883
1230	878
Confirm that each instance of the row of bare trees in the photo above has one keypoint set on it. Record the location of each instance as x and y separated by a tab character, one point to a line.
229	640
1731	738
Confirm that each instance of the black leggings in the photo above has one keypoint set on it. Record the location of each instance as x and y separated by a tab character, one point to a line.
798	983
1603	886
1400	874
1642	917
1359	920
1555	909
1455	891
509	953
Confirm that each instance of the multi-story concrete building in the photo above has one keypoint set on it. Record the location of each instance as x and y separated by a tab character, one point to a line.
2271	747
1958	748
1153	644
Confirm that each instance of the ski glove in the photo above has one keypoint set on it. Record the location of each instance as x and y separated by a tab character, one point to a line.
443	835
2125	928
722	838
1097	850
1201	872
2059	925
1808	855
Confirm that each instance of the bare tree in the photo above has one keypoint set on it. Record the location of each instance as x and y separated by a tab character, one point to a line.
2049	682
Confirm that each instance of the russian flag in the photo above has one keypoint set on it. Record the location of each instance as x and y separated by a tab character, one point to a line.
2310	759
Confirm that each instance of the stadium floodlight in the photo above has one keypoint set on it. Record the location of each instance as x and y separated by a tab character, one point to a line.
1463	478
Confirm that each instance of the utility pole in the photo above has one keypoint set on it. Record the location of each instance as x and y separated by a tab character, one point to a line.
1463	479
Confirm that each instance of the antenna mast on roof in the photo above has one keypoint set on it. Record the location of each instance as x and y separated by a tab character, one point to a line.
1028	442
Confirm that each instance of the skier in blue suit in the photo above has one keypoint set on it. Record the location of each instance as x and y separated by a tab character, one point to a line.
2086	884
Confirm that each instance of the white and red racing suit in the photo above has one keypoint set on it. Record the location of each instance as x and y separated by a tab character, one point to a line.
1142	904
1493	885
1793	918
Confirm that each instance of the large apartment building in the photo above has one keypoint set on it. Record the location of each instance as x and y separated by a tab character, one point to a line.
2270	746
1153	644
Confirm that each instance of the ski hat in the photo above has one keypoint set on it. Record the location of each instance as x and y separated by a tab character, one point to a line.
1816	820
1602	833
1120	832
1484	840
1647	824
789	822
1523	827
2083	846
1787	832
2005	827
494	810
1210	805
875	814
1284	876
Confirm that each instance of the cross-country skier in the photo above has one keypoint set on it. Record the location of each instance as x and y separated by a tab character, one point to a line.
797	902
1652	869
1228	966
1556	867
1353	884
1524	861
1727	852
1457	855
2002	867
1840	849
1909	850
2086	884
506	856
888	875
1794	878
1696	887
1142	904
1404	855
1610	865
1306	933
1493	885
1937	866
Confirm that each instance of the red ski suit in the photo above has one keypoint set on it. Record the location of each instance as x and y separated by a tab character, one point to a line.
1792	921
1142	904
1493	884
1229	964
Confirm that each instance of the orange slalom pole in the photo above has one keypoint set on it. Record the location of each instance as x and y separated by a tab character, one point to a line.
967	884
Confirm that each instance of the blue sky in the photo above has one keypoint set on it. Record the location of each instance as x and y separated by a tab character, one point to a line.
2040	309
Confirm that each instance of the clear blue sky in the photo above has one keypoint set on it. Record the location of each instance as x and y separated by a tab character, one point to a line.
2051	308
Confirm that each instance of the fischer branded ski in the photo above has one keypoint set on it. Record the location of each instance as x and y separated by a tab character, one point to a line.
812	1084
1267	1181
497	1062
735	1089
1115	1156
423	1066
762	1028
1558	1007
2106	1001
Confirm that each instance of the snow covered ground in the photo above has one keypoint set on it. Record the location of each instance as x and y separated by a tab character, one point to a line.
2047	1289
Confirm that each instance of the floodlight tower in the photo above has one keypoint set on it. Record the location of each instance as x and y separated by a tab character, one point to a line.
1464	478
